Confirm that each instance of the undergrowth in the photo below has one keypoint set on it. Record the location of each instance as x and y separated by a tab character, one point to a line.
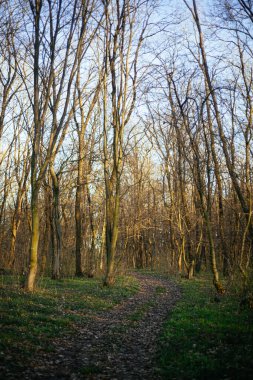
207	337
29	323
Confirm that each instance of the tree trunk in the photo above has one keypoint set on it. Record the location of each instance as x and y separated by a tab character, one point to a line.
57	232
112	220
47	229
244	205
33	262
35	183
92	252
14	229
79	211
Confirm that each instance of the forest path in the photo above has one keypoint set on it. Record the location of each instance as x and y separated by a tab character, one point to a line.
117	344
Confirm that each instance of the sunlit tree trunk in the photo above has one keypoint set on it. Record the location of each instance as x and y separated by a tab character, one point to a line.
203	190
36	9
33	262
56	94
121	57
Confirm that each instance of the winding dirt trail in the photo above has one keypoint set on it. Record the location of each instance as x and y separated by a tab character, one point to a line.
119	344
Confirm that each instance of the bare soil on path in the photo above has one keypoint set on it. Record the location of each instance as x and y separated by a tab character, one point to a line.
119	344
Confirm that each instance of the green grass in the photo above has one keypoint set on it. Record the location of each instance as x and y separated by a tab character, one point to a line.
91	370
160	289
204	339
139	314
29	323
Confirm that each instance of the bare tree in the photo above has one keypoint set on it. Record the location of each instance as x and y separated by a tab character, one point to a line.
57	77
122	44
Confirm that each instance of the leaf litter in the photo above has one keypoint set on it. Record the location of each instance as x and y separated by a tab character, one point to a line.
117	344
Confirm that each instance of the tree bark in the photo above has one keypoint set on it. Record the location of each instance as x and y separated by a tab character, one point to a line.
36	9
56	225
33	262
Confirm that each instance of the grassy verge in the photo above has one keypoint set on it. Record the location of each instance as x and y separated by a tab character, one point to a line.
29	323
204	339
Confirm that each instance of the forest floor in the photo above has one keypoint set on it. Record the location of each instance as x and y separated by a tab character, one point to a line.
146	327
116	343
